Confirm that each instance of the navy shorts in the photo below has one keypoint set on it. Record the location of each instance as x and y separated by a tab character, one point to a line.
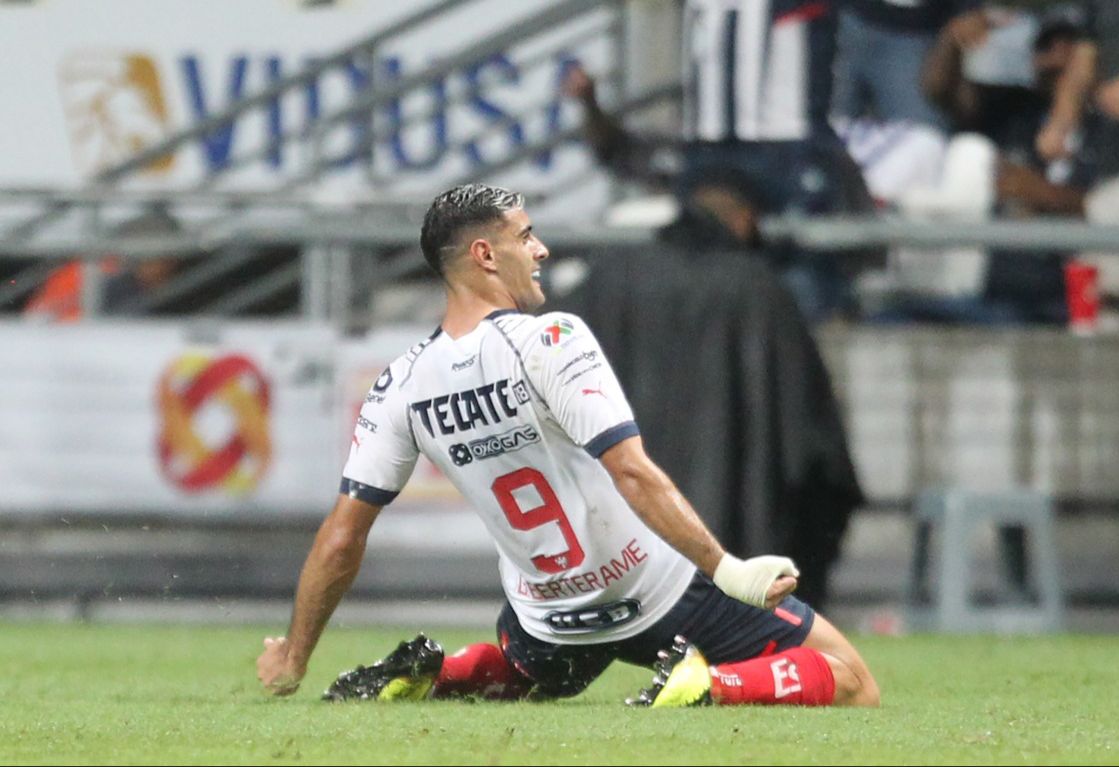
723	628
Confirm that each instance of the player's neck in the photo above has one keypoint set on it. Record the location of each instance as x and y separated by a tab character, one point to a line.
467	308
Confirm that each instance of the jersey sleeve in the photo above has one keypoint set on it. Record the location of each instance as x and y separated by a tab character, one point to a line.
569	370
383	451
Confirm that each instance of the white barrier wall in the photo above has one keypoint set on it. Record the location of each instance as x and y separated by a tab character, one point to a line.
236	419
188	419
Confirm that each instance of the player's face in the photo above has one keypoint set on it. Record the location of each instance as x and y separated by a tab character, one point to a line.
518	253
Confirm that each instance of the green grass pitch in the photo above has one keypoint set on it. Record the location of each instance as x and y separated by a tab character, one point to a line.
141	694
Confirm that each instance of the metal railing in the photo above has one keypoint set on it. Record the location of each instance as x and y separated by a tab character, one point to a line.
1036	235
325	242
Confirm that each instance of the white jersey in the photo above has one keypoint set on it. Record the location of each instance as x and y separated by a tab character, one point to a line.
516	414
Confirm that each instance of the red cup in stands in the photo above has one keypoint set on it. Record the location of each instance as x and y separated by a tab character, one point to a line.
1083	296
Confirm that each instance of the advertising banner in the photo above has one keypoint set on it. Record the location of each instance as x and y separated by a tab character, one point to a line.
233	420
87	88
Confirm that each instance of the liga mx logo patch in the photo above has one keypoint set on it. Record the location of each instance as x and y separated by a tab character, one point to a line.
555	332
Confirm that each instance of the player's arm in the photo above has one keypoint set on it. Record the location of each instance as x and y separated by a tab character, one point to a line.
328	573
654	497
580	389
382	455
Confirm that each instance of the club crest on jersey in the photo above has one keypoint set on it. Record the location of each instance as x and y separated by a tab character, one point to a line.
498	444
555	332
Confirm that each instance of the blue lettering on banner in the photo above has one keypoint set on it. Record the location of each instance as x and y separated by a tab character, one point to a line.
275	115
358	78
217	143
488	109
554	116
210	89
392	69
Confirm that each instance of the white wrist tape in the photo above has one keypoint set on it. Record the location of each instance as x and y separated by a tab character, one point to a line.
748	580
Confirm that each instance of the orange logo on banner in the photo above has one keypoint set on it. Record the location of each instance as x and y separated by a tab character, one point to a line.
234	384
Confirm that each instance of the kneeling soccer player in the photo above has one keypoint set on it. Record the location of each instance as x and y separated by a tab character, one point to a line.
601	557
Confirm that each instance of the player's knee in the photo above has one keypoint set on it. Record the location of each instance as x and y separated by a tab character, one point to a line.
853	688
854	684
867	693
871	695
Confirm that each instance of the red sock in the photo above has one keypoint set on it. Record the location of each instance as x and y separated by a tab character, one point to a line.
480	669
797	677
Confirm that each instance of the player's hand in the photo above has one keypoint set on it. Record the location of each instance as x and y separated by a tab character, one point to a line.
781	588
759	581
275	669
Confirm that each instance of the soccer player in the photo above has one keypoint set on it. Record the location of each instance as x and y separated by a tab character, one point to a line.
601	557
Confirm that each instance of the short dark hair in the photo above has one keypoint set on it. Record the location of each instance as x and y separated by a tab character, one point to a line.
455	210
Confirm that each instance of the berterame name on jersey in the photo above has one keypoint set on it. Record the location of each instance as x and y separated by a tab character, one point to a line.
516	413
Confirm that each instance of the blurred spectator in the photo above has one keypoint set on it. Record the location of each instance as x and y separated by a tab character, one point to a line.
124	287
882	48
984	50
757	91
1090	77
1012	115
127	291
899	137
757	85
819	282
991	167
59	298
1007	110
1019	286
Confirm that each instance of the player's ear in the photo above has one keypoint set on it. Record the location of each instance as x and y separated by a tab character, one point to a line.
482	253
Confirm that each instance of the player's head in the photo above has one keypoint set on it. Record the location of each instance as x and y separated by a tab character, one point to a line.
480	236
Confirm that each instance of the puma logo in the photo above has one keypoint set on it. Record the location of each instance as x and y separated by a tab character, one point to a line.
594	391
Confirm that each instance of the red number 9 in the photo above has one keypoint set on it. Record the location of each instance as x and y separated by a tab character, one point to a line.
549	511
